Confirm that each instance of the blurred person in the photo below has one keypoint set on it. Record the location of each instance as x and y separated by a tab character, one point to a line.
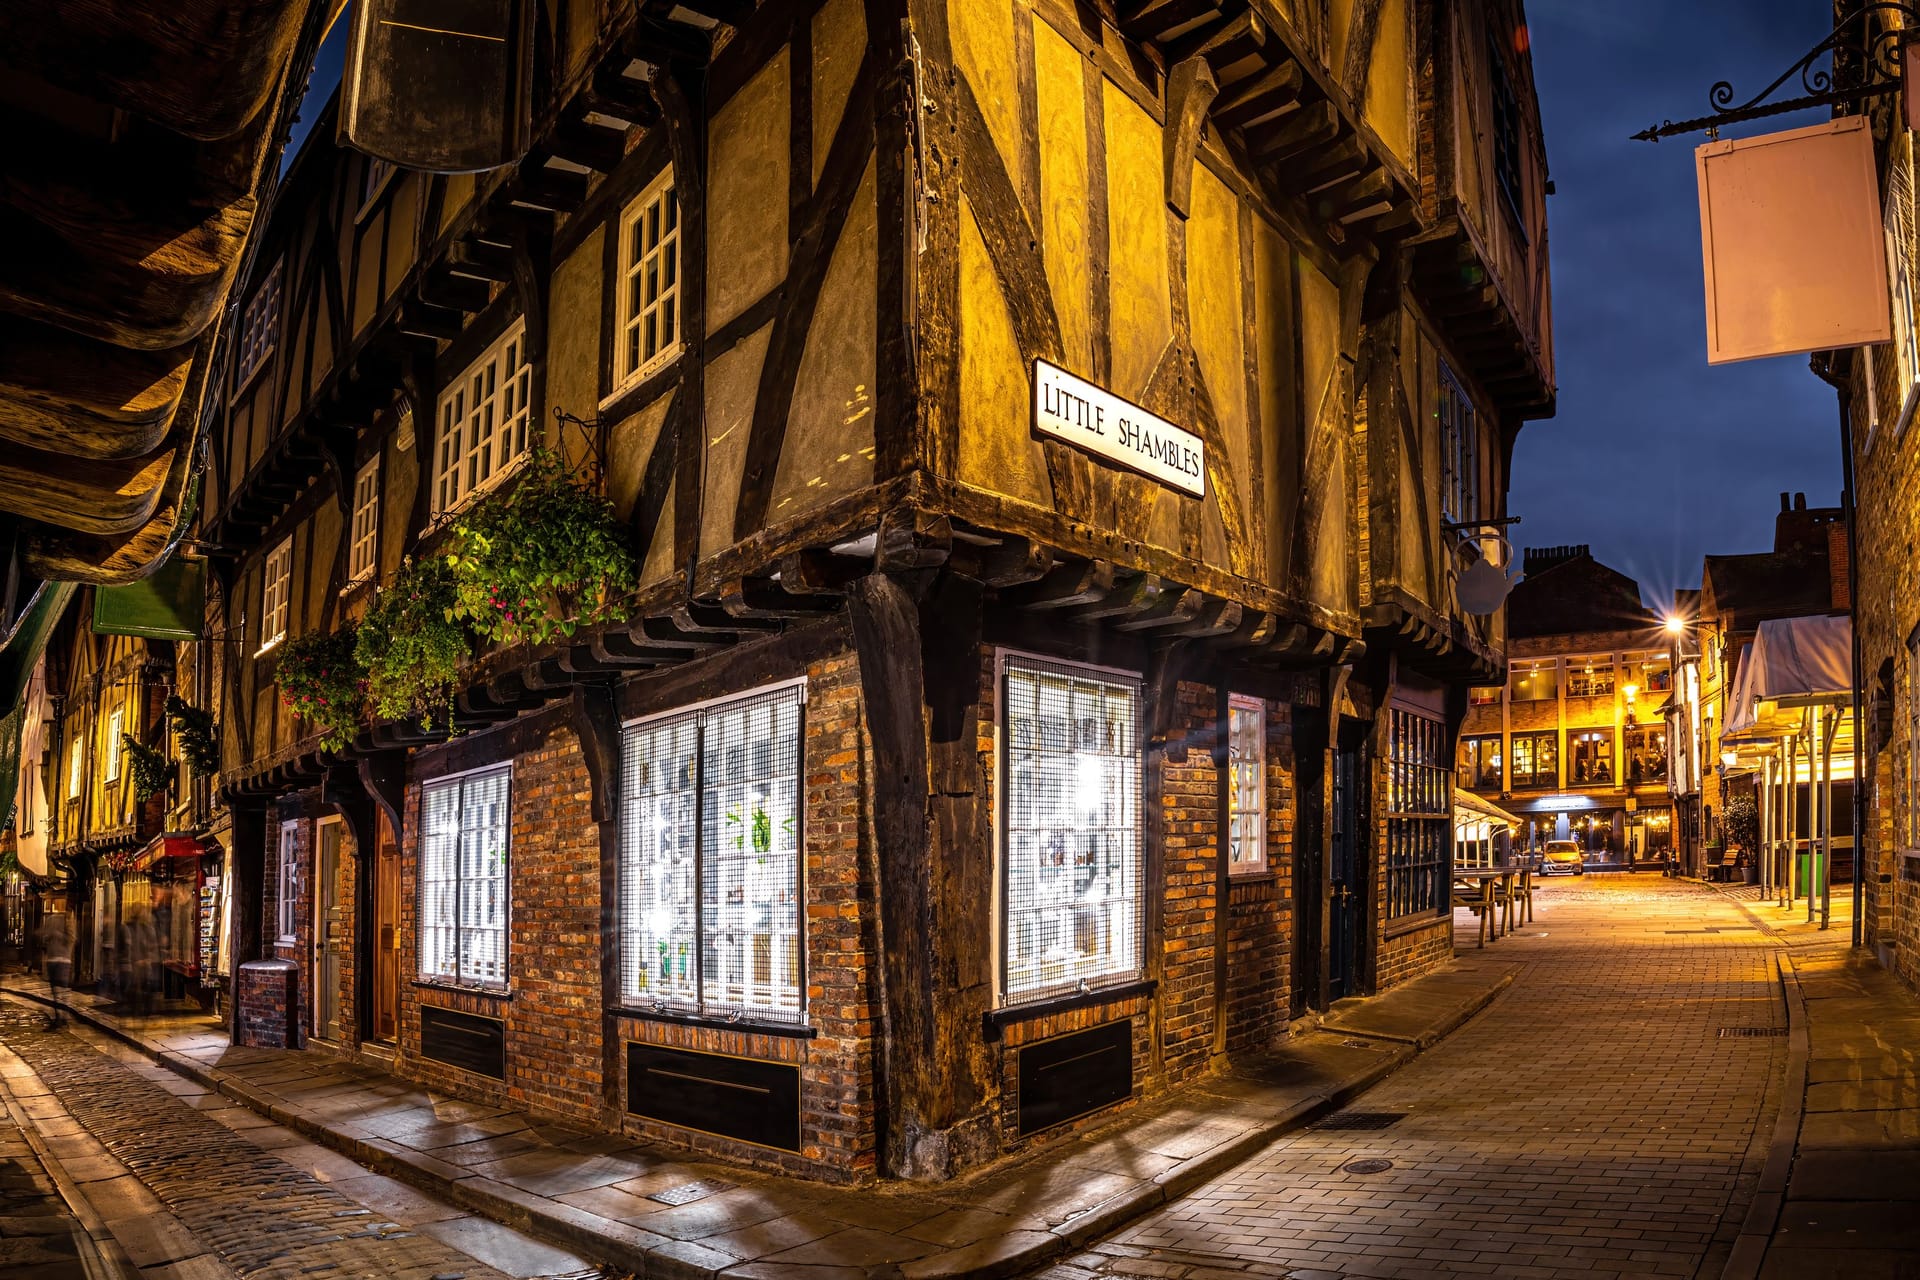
56	957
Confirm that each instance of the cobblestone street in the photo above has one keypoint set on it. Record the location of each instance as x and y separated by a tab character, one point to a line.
193	1187
1605	1116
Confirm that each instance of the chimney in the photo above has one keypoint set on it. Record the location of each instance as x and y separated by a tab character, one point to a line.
1799	502
1837	568
1540	559
1784	504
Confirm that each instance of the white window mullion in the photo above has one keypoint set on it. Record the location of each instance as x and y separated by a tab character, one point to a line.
465	879
1247	788
485	422
647	283
275	593
364	547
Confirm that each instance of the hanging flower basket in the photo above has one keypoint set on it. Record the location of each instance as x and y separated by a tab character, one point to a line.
197	735
321	679
540	560
410	645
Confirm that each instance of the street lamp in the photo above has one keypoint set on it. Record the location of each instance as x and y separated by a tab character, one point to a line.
1675	624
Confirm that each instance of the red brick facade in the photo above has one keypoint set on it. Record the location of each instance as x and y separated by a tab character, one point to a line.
1214	985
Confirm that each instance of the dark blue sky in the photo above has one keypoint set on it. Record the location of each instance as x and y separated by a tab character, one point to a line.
1656	459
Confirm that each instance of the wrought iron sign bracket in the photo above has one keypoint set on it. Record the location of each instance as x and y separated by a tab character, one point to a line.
595	433
1875	71
1456	526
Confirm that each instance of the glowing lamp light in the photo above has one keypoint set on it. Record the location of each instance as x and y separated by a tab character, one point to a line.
1675	624
1630	690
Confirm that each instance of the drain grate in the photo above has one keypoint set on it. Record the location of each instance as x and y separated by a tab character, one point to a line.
1354	1121
1747	1033
688	1192
1367	1166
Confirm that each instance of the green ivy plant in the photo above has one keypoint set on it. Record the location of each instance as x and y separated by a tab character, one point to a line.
410	644
540	560
321	678
152	771
197	735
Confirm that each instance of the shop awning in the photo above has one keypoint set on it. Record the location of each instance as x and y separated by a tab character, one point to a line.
167	847
1793	664
1466	802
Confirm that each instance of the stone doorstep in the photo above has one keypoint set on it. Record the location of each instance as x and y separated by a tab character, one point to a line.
1276	1109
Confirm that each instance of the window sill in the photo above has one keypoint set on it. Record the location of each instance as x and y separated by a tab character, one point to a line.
791	1030
995	1019
454	988
357	584
270	646
1267	876
1415	923
245	382
441	519
662	360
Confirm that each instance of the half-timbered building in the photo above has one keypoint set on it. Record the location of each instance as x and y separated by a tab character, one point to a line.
1049	435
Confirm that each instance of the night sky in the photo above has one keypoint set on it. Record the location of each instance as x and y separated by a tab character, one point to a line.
1656	459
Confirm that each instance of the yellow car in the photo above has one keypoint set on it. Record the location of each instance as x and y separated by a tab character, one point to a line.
1562	858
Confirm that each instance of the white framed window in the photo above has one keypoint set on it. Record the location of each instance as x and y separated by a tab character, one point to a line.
710	866
1459	451
1246	785
116	725
74	758
647	290
253	342
363	551
375	179
484	417
287	880
276	589
1899	224
463	878
1070	837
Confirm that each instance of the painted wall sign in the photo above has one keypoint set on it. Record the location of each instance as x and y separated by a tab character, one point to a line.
1096	420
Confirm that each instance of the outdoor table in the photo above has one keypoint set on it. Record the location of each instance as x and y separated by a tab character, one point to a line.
1495	894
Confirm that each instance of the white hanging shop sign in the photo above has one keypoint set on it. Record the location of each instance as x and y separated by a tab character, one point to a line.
1121	432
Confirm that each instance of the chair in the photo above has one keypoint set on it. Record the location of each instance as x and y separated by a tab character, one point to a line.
1477	897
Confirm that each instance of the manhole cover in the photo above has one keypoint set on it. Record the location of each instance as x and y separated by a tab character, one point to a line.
688	1192
1744	1033
1367	1166
1357	1120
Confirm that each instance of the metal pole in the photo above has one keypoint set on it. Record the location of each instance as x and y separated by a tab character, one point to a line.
1768	821
1815	811
1826	805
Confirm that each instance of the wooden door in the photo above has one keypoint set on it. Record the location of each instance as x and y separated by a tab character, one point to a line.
386	936
330	933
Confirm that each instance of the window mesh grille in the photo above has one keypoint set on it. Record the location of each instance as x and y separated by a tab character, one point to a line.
287	880
1419	815
1072	859
711	873
463	880
1247	759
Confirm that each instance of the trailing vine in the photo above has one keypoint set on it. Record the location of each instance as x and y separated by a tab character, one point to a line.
152	771
409	644
541	560
196	732
321	679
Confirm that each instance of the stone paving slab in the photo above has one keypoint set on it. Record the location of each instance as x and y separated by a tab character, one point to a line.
588	1192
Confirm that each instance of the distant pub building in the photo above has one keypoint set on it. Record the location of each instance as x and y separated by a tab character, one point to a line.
1575	743
1046	443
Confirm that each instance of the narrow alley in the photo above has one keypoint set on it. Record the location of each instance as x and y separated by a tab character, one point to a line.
1608	1114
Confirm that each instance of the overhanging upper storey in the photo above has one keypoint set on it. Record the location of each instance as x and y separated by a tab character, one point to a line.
1482	265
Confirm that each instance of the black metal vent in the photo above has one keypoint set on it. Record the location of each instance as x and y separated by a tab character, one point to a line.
1353	1121
1753	1033
745	1098
1069	1076
464	1040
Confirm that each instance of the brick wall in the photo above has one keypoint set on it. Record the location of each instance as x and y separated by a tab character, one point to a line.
552	1011
1410	954
269	997
1190	798
837	1099
1260	926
